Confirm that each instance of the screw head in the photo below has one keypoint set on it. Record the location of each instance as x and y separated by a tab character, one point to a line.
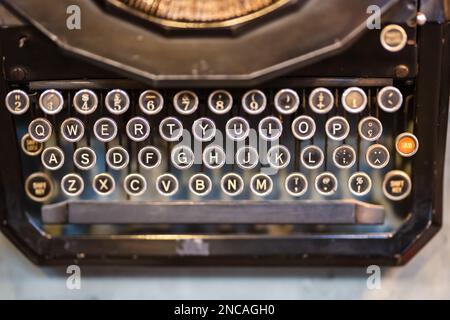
421	18
401	71
18	74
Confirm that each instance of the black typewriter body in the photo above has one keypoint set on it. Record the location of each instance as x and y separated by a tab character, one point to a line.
327	152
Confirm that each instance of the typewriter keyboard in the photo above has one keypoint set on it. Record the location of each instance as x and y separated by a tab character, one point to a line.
293	146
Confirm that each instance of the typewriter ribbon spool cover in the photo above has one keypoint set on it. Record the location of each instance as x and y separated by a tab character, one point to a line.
199	14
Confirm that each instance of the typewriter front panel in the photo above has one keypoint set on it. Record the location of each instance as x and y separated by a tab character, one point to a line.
338	162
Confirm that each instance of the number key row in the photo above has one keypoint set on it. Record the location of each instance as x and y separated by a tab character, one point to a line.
186	102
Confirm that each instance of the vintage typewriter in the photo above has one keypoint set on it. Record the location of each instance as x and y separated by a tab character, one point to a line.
266	132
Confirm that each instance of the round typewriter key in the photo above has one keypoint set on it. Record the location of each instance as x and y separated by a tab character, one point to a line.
84	158
287	101
247	157
204	129
182	157
359	184
254	102
200	184
237	129
17	102
135	184
117	158
303	128
278	157
40	129
220	102
390	99
214	157
29	146
261	184
354	100
138	129
312	157
117	101
167	184
151	102
337	128
393	38
51	101
39	187
72	129
72	185
296	184
149	157
406	144
397	185
52	158
344	157
370	128
270	128
85	101
171	129
321	100
326	184
232	184
377	156
185	102
104	184
105	129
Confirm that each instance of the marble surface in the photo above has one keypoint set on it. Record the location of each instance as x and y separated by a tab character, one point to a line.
427	276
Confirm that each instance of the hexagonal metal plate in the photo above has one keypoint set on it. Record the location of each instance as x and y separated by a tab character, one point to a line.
311	32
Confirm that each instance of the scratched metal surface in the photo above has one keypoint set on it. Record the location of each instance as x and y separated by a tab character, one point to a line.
427	276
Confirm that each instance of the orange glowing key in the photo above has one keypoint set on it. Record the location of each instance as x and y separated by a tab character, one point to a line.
407	144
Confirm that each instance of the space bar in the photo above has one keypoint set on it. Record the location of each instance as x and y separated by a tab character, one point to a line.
223	212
